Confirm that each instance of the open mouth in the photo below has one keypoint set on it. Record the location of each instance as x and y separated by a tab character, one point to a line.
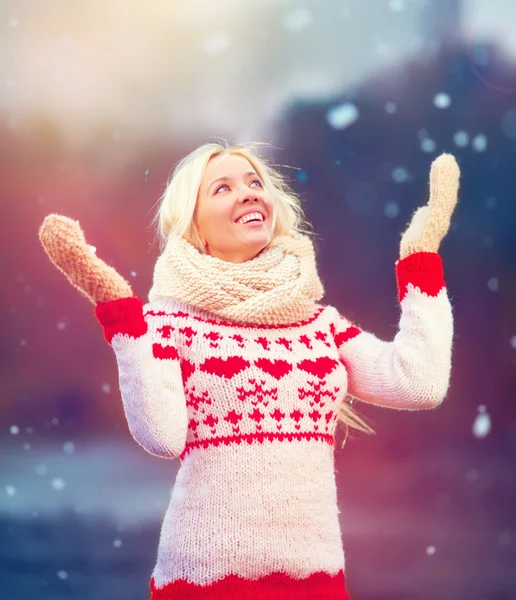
255	218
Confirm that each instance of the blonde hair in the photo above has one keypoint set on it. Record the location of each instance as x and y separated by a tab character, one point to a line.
176	212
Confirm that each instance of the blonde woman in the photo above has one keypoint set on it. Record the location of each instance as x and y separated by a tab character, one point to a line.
234	367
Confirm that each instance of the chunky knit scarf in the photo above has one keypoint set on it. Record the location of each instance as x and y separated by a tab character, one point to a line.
278	286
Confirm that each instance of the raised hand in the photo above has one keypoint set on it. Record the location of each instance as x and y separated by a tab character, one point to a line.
65	245
430	223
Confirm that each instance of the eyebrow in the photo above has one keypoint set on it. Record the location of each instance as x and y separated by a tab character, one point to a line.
230	178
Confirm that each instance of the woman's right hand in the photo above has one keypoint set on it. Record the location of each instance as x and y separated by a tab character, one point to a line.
64	242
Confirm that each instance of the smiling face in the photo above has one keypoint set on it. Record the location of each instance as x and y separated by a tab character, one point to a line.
230	188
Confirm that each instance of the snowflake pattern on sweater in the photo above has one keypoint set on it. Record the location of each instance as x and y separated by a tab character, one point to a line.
251	412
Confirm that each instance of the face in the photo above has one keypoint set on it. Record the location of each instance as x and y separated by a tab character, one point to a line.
230	188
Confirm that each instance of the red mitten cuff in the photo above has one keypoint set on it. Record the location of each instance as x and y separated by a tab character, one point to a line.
423	270
124	315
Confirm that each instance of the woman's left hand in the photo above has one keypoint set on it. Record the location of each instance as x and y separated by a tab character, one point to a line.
430	223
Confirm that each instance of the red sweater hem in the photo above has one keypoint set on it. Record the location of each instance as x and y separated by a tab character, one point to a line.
276	586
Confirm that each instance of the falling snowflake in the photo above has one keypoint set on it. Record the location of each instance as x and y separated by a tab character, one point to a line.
302	176
400	175
390	108
62	575
461	139
428	145
216	42
471	475
513	341
482	424
396	5
68	447
430	550
504	538
509	124
492	284
117	543
298	19
13	22
58	484
391	209
106	388
41	470
342	115
491	202
55	421
442	100
133	273
15	430
479	142
11	490
61	325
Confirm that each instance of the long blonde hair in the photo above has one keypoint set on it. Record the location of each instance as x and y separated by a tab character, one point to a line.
176	211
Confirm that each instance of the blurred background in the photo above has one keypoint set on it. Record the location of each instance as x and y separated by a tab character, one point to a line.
354	100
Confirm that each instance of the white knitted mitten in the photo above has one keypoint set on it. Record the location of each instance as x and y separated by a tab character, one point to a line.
430	223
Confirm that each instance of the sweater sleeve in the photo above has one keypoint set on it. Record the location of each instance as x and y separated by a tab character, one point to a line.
412	371
150	380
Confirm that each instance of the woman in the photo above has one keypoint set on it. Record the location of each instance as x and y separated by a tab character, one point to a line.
234	367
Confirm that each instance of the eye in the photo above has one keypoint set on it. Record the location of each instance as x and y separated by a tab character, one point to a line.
222	185
256	181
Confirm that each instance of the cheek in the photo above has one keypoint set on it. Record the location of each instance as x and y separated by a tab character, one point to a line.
214	215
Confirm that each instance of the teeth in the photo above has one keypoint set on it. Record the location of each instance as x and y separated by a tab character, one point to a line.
250	216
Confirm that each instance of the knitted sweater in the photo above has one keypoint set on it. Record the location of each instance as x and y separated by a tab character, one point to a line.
251	412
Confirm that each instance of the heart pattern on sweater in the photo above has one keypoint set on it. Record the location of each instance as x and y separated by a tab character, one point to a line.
277	368
319	367
224	367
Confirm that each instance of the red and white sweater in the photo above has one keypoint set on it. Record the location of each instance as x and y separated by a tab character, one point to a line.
251	412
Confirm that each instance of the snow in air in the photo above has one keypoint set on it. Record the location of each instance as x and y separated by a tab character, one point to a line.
492	284
58	484
461	139
400	175
430	550
509	124
479	142
68	447
391	209
428	145
216	42
396	5
15	430
482	424
297	20
342	115
442	100
390	108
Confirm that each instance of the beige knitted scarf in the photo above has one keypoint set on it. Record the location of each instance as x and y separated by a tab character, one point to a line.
278	286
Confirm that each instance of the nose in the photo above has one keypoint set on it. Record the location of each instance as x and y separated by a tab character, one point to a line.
248	194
